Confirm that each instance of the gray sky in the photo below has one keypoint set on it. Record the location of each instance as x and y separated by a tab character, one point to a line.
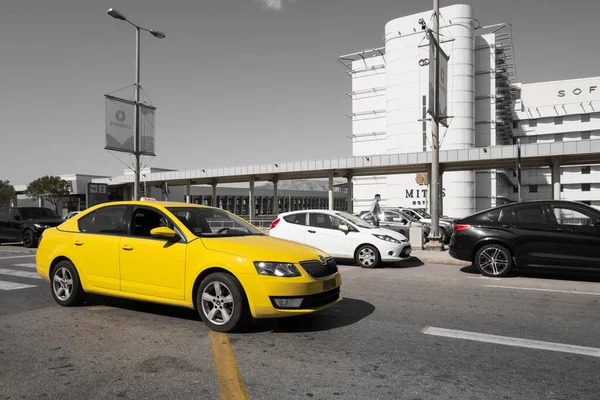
235	82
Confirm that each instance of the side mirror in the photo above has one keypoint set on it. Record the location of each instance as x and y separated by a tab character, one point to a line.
163	232
344	228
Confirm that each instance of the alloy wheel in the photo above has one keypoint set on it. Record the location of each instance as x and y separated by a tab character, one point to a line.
493	261
63	284
28	238
217	303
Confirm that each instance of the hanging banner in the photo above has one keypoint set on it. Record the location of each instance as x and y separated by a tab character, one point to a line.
442	111
120	126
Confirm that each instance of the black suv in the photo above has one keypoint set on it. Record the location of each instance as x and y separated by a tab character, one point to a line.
26	224
549	234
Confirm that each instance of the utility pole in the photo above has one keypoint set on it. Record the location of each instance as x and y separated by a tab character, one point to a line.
435	243
519	197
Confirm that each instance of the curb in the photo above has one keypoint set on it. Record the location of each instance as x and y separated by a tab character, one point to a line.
439	258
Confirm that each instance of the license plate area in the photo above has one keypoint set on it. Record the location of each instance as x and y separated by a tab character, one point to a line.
329	284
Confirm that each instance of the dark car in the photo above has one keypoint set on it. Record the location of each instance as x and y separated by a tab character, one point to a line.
26	224
535	234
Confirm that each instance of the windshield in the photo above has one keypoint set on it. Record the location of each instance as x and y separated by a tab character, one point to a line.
213	222
37	213
355	220
422	213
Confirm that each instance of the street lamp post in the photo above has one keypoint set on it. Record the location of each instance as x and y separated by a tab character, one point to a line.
136	139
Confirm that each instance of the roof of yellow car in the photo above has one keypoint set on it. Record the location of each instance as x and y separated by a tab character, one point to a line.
157	203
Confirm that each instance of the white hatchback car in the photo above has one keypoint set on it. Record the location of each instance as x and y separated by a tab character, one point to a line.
342	235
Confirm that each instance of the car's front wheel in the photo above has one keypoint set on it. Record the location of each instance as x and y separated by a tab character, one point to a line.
493	260
367	256
28	238
65	284
221	303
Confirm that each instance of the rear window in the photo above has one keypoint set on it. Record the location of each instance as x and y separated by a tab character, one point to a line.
493	216
297	219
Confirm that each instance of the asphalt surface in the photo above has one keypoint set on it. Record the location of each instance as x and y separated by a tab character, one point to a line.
370	346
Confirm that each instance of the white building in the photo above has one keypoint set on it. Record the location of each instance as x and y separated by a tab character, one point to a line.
390	87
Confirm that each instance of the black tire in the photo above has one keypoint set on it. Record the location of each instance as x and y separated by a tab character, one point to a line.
65	285
367	256
444	237
493	260
227	316
28	238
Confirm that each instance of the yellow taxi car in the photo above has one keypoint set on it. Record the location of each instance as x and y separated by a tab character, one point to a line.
187	255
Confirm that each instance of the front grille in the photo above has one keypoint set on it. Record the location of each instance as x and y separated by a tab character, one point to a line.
316	269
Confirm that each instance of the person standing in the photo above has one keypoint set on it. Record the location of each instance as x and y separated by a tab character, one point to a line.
375	210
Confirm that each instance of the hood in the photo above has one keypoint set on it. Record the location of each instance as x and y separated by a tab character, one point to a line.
45	221
264	248
388	232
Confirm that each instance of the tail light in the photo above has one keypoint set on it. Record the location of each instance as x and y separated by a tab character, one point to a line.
461	227
274	223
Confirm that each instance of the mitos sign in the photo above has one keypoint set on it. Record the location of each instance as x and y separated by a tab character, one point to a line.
577	91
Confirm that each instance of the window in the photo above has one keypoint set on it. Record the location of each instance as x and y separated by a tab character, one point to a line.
506	216
107	220
533	139
566	215
558	120
529	214
587	202
390	216
297	219
515	124
533	188
323	221
533	122
37	213
586	187
210	222
515	189
585	117
144	220
585	135
562	188
586	170
493	216
558	137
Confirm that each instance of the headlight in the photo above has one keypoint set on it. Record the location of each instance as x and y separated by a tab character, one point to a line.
387	238
40	226
276	269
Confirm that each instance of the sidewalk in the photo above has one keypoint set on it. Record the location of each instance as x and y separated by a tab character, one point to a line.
437	257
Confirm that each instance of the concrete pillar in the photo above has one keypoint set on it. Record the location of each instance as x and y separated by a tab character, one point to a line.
188	193
251	200
331	190
350	194
555	179
428	198
441	202
214	194
275	196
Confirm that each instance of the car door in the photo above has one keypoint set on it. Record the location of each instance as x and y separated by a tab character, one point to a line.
295	229
152	266
3	222
323	232
14	225
531	235
579	230
395	222
95	248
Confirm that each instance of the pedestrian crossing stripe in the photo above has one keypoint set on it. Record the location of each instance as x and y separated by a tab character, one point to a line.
22	274
26	265
14	286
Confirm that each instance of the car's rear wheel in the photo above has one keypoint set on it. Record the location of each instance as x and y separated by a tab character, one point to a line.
367	256
65	284
28	238
444	237
221	303
493	260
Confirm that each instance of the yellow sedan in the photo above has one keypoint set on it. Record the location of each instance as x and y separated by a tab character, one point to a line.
185	255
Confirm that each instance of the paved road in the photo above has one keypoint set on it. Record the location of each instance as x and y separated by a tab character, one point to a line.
370	346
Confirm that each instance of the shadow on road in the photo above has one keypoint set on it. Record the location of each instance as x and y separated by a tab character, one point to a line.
410	263
559	275
348	312
140	306
470	269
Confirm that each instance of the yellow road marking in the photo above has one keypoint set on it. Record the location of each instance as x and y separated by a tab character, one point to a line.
231	386
100	308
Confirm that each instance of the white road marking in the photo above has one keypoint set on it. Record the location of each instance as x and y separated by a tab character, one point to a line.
543	290
22	274
7	258
512	341
26	265
484	277
14	286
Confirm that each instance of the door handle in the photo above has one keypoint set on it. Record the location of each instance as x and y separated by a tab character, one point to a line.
127	247
311	231
78	243
508	226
